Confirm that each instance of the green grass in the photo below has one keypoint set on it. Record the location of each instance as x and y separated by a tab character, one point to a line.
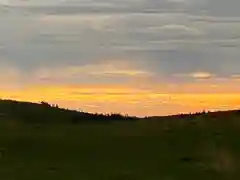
165	149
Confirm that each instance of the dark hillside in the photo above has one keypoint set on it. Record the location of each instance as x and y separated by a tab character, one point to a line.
46	113
181	147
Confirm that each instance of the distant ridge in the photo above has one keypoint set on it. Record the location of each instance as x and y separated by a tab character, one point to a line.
44	112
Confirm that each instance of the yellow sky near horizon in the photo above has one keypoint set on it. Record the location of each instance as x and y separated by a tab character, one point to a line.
124	99
121	87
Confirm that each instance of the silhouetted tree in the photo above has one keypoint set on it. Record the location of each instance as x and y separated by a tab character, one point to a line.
45	104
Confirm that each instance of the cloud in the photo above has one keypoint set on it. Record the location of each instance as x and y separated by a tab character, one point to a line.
72	19
197	75
80	38
214	19
201	75
30	3
90	71
79	23
175	29
121	73
105	6
68	42
235	77
178	1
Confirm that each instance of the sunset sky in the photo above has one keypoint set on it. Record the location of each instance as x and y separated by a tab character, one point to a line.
141	57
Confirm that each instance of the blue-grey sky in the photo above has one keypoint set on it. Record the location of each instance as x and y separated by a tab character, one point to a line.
121	42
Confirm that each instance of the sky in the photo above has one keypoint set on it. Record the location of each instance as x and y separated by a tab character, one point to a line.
136	57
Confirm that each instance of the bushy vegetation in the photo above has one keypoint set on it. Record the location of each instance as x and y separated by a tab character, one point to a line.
182	147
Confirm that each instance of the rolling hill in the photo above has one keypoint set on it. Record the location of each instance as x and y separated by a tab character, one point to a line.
42	141
45	113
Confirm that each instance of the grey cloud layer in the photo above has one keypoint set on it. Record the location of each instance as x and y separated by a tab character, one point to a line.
165	36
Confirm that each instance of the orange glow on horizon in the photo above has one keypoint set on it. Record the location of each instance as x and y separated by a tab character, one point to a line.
124	99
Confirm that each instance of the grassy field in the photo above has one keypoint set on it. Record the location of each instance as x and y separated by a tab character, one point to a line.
175	148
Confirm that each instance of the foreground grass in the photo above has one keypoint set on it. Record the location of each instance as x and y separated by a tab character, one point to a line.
166	149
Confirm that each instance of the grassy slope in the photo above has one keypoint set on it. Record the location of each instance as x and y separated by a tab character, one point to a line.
174	148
